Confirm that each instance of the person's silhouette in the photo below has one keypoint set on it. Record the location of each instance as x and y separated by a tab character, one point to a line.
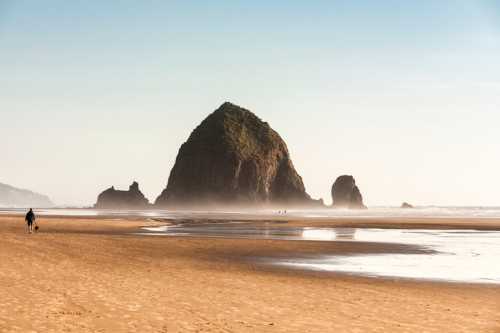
30	218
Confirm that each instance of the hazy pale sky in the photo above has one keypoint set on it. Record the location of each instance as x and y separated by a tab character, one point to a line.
403	95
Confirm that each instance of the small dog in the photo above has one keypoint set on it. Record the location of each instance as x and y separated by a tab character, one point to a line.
36	228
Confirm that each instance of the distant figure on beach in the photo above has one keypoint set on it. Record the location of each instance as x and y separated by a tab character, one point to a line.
30	219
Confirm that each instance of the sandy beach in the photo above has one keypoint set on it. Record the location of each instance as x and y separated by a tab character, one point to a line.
94	275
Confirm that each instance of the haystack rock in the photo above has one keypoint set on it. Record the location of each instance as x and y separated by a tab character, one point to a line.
346	194
234	158
116	199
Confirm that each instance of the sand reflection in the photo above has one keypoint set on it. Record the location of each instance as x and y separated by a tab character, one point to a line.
454	255
329	234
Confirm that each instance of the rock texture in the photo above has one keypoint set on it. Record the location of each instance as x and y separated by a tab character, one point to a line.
233	157
115	199
14	197
345	193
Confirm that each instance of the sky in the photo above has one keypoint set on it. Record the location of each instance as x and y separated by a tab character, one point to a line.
403	95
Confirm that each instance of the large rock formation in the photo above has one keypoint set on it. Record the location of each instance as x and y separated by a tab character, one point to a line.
14	197
233	158
346	194
115	199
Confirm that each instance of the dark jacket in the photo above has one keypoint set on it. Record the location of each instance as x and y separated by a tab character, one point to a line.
30	217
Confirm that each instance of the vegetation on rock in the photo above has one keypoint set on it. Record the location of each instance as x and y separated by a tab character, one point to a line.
233	157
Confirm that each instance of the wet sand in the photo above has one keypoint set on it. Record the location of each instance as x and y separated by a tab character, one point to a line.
404	223
92	275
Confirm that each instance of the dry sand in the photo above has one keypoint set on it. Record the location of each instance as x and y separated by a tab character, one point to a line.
85	275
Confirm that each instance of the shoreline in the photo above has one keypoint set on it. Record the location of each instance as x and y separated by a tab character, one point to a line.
359	222
470	223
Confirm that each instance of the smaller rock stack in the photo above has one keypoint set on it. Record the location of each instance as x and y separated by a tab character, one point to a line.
346	194
116	199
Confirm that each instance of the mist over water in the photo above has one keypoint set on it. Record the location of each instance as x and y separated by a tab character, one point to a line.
228	213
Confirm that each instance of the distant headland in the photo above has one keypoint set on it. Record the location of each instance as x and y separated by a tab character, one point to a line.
11	196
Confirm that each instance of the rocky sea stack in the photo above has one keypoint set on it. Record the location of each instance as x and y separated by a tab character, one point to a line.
233	158
116	199
345	193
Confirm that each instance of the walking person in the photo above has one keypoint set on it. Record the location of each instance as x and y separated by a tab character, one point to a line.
30	219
